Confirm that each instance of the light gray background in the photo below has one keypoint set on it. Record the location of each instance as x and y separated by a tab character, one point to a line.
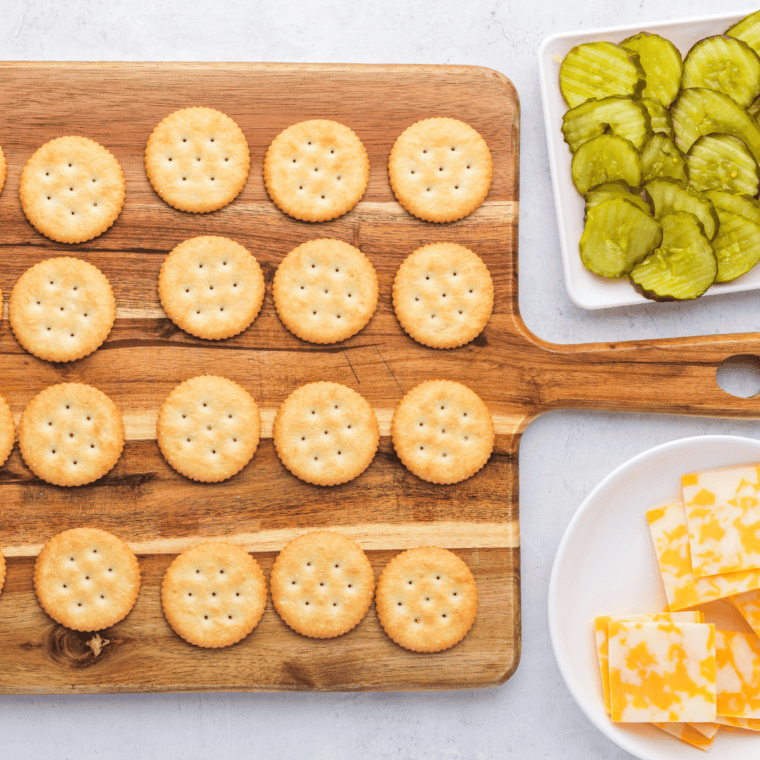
564	454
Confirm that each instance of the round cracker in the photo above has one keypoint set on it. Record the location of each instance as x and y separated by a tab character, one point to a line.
208	428
7	431
62	309
86	579
214	594
316	170
325	291
326	433
211	287
322	584
71	434
72	189
440	169
442	431
3	170
443	295
426	599
197	160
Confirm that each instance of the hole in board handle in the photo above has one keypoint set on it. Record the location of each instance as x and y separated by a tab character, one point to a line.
739	375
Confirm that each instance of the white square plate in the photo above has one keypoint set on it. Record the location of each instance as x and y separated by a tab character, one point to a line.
586	289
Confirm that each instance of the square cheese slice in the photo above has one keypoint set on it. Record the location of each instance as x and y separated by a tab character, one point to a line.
738	674
749	724
686	732
670	535
723	512
662	672
601	625
748	604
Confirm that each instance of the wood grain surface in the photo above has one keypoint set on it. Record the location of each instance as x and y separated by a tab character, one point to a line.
387	509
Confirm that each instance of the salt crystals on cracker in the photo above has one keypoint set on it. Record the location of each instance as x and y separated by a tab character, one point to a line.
723	512
670	536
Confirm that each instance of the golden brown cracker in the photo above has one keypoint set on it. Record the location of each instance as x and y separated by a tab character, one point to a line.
326	433
197	160
62	309
316	170
325	291
442	431
208	428
322	584
3	170
443	295
7	431
72	189
71	434
426	599
211	287
440	169
86	579
214	594
2	570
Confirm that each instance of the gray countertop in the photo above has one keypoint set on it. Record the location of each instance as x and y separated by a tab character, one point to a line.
563	454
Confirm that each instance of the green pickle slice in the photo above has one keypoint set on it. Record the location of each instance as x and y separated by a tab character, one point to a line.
661	158
610	190
753	109
659	116
700	112
599	69
724	64
623	116
734	204
736	246
722	162
683	267
616	237
662	64
605	159
747	30
669	195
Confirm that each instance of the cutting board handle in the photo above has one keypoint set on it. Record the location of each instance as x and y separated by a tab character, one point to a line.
672	376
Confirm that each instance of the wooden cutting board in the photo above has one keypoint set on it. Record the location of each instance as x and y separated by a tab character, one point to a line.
387	509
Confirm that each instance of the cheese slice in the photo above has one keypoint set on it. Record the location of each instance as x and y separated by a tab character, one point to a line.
738	674
706	729
662	672
748	604
670	536
687	733
601	624
749	724
723	513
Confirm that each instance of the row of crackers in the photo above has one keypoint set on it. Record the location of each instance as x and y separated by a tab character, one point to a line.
673	669
214	594
197	159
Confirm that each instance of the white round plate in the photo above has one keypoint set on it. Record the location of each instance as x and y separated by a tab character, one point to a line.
606	565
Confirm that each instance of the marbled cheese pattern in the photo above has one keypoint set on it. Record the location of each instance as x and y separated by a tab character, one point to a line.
687	733
670	535
748	604
662	672
723	512
602	623
738	674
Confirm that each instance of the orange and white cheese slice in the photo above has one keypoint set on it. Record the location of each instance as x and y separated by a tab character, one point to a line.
670	535
723	513
738	658
602	622
662	672
748	604
686	732
749	724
